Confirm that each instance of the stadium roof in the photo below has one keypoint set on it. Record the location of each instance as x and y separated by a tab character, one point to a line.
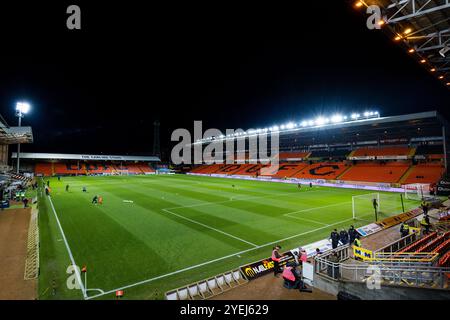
13	135
423	27
61	156
424	125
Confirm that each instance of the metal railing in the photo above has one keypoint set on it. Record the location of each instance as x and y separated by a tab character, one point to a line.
399	244
414	276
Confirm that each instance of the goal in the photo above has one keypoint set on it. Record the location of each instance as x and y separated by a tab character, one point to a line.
388	204
416	191
362	205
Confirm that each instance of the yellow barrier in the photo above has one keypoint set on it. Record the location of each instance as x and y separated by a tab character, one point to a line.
362	253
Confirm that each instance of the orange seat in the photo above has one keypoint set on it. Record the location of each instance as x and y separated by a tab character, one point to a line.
425	173
375	173
322	170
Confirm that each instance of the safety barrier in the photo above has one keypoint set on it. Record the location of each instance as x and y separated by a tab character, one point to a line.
32	260
208	288
399	244
393	274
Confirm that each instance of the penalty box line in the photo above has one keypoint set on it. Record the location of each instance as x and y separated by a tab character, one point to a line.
209	227
214	260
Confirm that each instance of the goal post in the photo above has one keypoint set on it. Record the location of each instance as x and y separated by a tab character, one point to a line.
362	205
416	191
389	204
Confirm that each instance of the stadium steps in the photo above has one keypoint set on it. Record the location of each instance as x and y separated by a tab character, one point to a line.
351	154
406	174
345	171
412	152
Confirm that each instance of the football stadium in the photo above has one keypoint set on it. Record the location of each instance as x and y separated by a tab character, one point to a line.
348	203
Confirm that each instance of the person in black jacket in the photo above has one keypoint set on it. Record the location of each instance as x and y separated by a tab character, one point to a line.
352	233
343	236
334	236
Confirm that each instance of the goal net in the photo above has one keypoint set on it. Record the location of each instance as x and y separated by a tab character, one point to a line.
388	204
416	191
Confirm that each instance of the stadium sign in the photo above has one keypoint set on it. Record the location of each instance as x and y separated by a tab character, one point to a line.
257	269
443	187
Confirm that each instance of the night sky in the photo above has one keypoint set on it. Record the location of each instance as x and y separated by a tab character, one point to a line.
231	65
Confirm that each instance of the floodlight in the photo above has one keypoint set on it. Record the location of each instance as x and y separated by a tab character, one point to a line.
304	123
320	121
22	107
366	114
337	118
290	125
283	127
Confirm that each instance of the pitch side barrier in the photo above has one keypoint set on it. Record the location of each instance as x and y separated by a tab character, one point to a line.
318	182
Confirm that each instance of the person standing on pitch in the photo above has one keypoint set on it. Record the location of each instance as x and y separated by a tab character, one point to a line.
95	200
276	257
334	236
375	204
67	188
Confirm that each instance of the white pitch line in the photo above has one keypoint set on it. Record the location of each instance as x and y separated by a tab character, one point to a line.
75	267
308	220
215	260
317	208
209	227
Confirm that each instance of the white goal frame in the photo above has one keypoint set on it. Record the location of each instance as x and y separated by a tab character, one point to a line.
416	191
374	195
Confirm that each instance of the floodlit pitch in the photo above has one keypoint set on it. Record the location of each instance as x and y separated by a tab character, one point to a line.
156	233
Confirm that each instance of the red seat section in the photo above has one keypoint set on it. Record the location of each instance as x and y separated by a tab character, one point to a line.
425	173
384	151
71	168
372	172
285	170
45	169
323	170
415	245
229	169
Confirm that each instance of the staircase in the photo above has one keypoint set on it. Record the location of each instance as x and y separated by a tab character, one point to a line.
345	171
406	174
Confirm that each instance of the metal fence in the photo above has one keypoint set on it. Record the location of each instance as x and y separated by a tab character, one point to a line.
398	274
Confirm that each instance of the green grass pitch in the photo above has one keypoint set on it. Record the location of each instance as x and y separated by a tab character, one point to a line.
156	233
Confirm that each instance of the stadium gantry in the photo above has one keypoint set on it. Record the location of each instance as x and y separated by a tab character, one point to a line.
421	27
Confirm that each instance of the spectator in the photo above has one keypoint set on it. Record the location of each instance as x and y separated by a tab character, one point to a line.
333	269
318	252
352	233
334	236
302	255
343	236
25	202
425	223
276	257
291	277
357	242
404	229
424	208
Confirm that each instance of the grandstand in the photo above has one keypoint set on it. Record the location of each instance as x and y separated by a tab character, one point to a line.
393	150
49	164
